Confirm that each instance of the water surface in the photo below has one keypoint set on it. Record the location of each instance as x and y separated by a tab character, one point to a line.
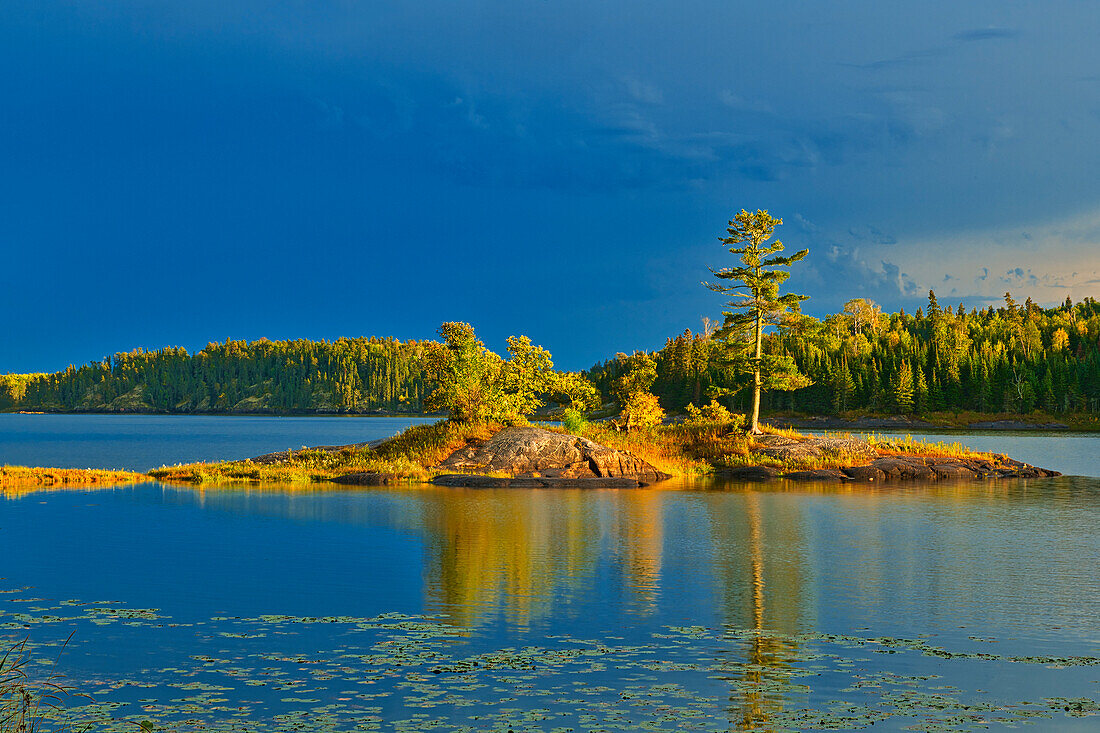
688	606
143	442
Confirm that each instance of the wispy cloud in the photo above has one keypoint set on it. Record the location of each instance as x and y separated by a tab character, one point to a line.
972	35
985	34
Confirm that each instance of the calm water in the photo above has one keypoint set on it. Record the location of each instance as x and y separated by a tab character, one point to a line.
142	442
691	606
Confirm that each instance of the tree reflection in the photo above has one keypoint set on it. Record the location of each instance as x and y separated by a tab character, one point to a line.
521	553
762	593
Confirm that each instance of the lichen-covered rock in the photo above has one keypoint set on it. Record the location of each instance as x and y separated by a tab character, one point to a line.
530	450
790	449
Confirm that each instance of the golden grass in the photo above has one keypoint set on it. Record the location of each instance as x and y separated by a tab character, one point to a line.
410	455
701	448
939	449
24	476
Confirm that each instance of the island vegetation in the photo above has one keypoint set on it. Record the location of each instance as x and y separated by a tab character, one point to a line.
765	353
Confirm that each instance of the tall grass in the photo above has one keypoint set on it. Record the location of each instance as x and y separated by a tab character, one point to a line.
25	704
909	446
20	476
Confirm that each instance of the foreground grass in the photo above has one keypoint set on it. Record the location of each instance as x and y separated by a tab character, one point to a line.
408	455
23	476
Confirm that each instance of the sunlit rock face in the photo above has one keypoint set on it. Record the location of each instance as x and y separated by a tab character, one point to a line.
530	451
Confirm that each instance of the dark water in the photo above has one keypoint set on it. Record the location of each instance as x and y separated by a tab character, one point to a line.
691	606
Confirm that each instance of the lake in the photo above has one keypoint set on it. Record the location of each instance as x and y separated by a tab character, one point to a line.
692	605
144	442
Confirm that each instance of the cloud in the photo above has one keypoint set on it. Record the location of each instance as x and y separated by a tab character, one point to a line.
734	101
985	34
1043	260
869	233
843	267
644	93
972	35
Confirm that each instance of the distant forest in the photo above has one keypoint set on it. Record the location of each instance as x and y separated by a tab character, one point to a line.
349	375
1016	358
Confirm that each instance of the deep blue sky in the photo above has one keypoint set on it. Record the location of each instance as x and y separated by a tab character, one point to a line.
177	172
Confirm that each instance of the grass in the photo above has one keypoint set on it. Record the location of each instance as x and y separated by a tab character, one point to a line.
704	447
23	476
409	455
938	449
25	703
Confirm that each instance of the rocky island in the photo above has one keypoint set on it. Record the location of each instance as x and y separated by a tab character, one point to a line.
524	456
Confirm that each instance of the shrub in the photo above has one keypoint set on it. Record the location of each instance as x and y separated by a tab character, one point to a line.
713	414
573	421
642	410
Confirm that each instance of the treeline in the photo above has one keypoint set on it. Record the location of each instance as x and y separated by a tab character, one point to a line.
346	376
1011	359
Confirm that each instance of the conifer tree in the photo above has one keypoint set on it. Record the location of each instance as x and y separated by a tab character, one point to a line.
920	389
903	389
757	304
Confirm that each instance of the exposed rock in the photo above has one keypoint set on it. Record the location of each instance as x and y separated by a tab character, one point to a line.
749	473
817	474
530	482
899	468
864	473
955	470
529	451
906	468
365	479
790	449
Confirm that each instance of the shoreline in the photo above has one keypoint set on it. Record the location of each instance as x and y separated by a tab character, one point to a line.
963	422
491	455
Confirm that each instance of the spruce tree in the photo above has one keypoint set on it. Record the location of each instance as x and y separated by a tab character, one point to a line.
903	389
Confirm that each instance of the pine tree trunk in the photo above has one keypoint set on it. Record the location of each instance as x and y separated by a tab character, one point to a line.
756	374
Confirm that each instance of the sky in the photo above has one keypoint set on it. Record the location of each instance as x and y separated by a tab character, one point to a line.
175	172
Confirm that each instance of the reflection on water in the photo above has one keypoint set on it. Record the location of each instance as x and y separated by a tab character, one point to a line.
748	581
782	557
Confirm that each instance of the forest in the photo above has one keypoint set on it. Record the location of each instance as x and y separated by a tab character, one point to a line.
1015	358
360	375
